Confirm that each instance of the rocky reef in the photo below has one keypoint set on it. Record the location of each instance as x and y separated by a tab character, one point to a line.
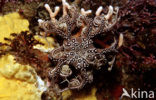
98	44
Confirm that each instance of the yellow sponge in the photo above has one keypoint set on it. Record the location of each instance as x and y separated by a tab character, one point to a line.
12	23
17	82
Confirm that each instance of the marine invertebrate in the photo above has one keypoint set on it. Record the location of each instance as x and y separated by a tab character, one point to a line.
15	76
76	58
12	19
13	70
